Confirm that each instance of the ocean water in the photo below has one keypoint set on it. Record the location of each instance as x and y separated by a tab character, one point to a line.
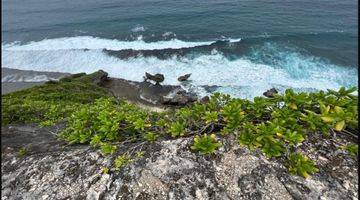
237	47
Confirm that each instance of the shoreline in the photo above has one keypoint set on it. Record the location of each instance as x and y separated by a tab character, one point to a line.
153	146
143	94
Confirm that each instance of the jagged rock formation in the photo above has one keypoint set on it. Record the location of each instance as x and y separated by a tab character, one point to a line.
184	77
168	170
270	93
158	78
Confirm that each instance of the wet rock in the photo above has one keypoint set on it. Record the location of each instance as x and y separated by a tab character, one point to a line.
270	93
158	78
180	98
184	77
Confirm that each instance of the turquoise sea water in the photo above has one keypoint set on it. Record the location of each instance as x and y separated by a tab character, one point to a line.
243	47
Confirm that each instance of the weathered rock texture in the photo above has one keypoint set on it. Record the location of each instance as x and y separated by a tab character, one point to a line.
168	170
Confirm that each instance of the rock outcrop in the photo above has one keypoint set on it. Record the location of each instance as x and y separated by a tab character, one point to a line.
158	78
270	93
179	98
184	77
100	77
168	170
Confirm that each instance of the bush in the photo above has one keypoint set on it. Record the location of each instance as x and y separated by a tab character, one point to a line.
205	144
277	126
301	165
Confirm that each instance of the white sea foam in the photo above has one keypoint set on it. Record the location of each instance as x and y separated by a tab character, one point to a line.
240	77
138	28
167	34
235	40
89	42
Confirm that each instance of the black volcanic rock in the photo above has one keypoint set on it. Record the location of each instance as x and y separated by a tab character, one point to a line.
158	78
270	93
184	77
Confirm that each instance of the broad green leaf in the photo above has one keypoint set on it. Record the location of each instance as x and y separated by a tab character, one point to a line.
338	110
339	126
293	106
327	119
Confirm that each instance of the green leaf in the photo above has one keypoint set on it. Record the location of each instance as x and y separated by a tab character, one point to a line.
339	126
150	136
177	129
301	165
327	119
293	106
353	149
107	148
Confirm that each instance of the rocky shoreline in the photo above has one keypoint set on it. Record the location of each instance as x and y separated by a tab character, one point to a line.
141	93
52	169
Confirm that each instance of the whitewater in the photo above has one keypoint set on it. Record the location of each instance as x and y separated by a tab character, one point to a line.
243	76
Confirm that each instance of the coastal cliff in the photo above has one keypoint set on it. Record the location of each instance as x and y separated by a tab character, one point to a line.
43	158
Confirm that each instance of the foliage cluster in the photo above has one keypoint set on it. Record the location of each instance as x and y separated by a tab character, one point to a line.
277	126
49	102
353	149
205	144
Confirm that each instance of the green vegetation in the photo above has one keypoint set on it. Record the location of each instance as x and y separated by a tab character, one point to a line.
50	102
352	149
301	165
22	152
105	170
205	144
122	161
277	126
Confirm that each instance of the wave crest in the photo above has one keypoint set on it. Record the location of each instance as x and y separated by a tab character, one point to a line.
89	42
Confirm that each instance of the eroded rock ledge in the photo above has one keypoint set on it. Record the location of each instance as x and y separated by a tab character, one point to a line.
168	170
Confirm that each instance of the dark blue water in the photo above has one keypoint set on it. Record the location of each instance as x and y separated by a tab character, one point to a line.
306	44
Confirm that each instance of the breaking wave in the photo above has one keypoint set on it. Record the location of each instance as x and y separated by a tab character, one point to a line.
245	76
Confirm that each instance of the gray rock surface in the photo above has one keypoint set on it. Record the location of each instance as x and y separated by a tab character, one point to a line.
179	98
168	170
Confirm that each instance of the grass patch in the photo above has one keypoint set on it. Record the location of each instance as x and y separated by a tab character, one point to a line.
49	102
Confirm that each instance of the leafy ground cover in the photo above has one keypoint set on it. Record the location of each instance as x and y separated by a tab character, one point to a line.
50	102
277	126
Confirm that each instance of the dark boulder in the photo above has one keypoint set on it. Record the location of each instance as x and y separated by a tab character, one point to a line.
184	77
270	93
158	78
205	100
100	77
